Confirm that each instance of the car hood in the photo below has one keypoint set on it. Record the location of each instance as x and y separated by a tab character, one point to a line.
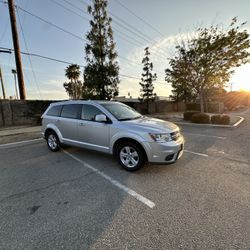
153	124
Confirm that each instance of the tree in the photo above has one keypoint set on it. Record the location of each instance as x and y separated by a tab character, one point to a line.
177	75
101	71
147	79
74	87
207	61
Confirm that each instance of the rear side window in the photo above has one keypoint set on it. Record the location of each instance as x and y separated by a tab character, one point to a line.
89	112
54	110
71	111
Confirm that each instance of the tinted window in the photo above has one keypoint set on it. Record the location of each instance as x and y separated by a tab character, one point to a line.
89	112
55	110
71	111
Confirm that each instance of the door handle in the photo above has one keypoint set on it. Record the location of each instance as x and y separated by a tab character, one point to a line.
82	124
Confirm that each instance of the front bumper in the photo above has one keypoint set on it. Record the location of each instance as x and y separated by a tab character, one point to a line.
167	152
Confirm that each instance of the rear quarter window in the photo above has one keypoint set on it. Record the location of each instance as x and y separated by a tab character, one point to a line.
71	111
54	110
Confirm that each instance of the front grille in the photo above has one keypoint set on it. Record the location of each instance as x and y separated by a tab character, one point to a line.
175	135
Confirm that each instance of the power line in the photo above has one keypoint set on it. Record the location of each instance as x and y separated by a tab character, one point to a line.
66	8
140	18
137	31
75	6
60	28
84	18
51	24
125	25
68	32
4	31
66	62
137	78
75	13
43	57
31	65
131	61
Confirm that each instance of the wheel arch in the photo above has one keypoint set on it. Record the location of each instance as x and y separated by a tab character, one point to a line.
53	128
131	140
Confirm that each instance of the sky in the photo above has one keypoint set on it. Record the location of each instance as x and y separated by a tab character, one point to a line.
157	24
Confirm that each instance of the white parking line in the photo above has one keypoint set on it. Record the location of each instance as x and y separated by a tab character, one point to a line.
212	136
131	192
20	143
195	153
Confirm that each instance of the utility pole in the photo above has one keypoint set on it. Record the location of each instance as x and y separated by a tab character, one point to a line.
17	50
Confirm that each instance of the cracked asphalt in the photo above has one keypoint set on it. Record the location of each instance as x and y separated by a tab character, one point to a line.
52	201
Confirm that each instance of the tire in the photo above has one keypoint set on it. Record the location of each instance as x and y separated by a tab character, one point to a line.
130	156
53	141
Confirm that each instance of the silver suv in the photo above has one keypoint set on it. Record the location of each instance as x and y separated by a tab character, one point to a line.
113	128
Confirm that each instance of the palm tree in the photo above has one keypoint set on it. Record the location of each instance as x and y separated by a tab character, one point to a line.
74	87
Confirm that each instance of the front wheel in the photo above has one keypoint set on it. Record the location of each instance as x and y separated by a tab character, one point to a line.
53	141
130	156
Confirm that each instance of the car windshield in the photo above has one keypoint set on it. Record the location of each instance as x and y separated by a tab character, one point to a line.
121	112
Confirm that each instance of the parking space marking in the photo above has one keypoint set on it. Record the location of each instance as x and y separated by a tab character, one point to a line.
131	192
195	153
20	143
212	136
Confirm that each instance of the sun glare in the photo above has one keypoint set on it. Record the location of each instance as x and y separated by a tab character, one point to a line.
241	78
245	87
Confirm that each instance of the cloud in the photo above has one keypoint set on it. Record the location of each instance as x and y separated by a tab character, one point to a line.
51	90
49	95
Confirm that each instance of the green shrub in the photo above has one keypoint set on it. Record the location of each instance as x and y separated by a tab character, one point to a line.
220	119
200	118
215	119
188	114
225	119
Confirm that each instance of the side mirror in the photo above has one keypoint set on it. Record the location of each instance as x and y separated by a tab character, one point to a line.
101	118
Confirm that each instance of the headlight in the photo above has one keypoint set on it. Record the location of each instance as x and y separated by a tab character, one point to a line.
161	137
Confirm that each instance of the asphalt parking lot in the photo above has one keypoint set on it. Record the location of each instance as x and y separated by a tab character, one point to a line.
80	199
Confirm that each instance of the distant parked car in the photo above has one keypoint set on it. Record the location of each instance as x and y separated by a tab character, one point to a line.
114	128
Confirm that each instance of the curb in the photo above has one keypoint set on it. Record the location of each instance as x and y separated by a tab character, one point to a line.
23	130
235	125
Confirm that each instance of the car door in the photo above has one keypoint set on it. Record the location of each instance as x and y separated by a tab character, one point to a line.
93	134
68	121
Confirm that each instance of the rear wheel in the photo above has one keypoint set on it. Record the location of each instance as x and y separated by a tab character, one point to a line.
53	141
130	156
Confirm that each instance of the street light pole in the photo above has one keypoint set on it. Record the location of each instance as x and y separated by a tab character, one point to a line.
1	75
13	71
2	85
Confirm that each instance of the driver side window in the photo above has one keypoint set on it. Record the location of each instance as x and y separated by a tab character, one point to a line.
89	112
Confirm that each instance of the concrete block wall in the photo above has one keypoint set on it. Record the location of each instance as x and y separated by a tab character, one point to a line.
6	113
21	112
28	112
